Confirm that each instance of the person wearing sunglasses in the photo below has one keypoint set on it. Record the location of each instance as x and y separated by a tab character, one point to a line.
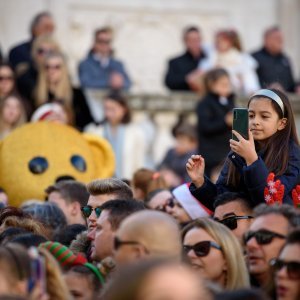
286	269
112	213
235	212
7	80
264	240
146	235
215	254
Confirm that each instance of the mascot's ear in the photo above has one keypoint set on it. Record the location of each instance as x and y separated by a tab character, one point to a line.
103	154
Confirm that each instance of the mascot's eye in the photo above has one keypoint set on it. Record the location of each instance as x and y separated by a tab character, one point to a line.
79	163
38	165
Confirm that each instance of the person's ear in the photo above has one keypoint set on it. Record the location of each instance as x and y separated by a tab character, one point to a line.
75	208
282	123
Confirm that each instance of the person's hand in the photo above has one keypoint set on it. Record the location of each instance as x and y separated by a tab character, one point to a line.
116	80
194	80
244	148
37	293
228	119
195	169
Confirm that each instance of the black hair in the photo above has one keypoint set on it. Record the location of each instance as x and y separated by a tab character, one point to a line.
120	209
190	29
71	191
28	240
68	234
294	237
10	233
153	194
228	197
245	294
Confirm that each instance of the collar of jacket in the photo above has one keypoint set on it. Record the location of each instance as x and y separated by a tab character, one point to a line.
201	56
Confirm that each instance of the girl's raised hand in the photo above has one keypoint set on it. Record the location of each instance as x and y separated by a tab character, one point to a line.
244	148
195	169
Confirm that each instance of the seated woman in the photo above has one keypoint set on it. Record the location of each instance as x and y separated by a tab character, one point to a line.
126	138
215	254
54	85
12	114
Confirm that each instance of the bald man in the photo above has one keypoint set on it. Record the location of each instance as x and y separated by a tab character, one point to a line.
147	234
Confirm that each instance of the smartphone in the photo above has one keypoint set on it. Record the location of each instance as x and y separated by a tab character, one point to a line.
240	122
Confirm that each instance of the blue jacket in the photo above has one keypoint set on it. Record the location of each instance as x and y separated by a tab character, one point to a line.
253	179
93	75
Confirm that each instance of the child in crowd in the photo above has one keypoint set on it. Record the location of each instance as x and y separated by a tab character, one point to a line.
12	115
173	164
272	147
214	114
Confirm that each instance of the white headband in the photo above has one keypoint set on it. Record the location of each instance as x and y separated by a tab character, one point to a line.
270	94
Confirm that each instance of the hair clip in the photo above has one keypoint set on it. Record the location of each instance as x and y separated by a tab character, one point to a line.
274	191
296	196
155	175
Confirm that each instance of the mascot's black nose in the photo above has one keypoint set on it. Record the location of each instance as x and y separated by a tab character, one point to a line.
64	177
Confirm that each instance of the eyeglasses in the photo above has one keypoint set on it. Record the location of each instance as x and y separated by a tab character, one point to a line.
231	222
53	67
118	243
292	267
263	237
202	248
8	78
44	51
87	211
102	41
171	202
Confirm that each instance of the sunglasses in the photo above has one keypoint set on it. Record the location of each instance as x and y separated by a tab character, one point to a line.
263	237
118	243
231	222
201	249
101	41
53	67
170	202
42	51
292	267
87	211
8	78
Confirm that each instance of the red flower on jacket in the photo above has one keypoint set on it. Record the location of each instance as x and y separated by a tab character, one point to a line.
274	191
296	196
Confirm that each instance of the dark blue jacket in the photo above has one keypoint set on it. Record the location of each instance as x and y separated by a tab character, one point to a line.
253	179
20	54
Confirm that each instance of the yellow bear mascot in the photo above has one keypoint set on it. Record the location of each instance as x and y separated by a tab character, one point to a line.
36	155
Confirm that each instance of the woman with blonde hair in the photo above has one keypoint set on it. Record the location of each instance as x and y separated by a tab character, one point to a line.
54	86
145	181
213	252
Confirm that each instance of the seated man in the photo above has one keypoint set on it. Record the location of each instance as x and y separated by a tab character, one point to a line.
147	234
274	68
69	196
265	239
183	73
113	212
100	70
234	211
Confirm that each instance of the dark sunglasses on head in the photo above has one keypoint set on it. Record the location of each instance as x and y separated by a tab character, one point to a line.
53	67
87	211
118	243
2	78
231	222
263	237
202	248
292	267
169	202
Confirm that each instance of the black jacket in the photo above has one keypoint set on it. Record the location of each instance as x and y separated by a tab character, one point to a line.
20	54
213	133
274	68
178	68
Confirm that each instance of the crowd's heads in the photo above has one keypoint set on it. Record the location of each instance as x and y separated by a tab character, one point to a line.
235	212
116	108
145	181
145	235
69	196
42	24
213	251
266	236
162	278
287	268
113	212
273	40
192	40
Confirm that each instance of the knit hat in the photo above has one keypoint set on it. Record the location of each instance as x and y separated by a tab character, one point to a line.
191	205
63	254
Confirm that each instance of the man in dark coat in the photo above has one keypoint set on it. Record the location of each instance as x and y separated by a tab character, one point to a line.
183	73
274	67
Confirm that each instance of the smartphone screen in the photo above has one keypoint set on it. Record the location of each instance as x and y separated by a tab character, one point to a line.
240	122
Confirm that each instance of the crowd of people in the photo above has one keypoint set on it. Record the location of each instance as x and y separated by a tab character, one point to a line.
217	218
